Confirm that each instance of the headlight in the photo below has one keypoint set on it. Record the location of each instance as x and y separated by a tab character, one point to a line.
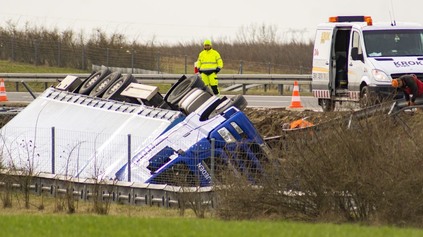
237	128
226	135
380	75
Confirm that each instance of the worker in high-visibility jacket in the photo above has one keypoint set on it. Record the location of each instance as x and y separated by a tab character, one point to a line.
209	64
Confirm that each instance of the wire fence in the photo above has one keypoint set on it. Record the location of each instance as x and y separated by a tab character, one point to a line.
59	52
128	157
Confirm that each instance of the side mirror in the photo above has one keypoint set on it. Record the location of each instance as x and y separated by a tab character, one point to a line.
355	55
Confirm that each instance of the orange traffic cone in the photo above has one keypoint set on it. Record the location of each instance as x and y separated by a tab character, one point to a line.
3	96
295	100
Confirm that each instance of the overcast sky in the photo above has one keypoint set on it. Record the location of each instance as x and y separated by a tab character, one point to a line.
171	21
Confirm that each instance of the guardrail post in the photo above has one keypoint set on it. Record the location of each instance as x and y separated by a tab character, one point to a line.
280	89
244	89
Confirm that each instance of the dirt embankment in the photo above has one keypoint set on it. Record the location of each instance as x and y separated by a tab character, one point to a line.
269	121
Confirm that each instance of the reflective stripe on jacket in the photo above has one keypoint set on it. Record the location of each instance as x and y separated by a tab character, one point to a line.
209	60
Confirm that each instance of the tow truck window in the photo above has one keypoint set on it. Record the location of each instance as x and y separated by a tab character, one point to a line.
393	43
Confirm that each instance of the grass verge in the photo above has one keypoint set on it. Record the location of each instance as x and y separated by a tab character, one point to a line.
92	225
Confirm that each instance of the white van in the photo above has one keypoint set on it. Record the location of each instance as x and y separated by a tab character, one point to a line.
355	60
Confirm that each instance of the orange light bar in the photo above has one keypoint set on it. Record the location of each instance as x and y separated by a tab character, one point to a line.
333	19
366	19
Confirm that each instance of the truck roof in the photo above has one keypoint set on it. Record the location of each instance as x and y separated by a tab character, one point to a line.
375	26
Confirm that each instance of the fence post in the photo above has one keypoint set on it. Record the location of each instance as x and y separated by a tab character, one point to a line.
53	149
158	63
13	48
107	57
129	157
132	60
59	49
212	154
240	67
186	60
35	52
83	58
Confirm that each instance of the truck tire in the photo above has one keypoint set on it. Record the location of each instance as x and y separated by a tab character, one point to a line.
193	99
113	92
93	80
102	86
327	105
181	88
238	101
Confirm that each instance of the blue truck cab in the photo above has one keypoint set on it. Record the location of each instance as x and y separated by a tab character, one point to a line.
199	148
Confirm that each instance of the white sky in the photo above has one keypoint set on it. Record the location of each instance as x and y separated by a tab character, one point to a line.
172	21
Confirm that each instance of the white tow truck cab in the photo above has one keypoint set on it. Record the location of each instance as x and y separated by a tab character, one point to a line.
355	60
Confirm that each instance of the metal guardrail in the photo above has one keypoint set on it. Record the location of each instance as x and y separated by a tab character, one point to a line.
169	78
128	193
224	79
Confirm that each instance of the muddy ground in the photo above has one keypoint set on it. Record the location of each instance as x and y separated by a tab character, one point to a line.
269	121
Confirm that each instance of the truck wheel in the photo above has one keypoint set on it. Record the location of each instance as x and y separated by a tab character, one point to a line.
93	80
366	98
181	88
238	101
327	105
102	86
113	92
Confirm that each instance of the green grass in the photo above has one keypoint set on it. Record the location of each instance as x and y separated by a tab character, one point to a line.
93	225
15	67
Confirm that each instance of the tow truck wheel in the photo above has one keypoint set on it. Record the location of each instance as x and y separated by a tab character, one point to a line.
366	99
327	105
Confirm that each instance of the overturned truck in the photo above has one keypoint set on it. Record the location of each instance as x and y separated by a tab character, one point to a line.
109	126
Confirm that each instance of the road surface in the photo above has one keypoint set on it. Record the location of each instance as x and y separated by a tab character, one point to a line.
308	102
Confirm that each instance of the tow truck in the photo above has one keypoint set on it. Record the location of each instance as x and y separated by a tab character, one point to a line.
355	59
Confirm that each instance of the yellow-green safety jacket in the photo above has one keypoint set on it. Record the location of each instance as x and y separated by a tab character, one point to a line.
209	60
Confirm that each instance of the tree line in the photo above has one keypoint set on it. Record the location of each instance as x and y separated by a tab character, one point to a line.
254	51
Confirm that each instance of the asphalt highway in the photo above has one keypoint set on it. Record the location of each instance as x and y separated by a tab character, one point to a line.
307	102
